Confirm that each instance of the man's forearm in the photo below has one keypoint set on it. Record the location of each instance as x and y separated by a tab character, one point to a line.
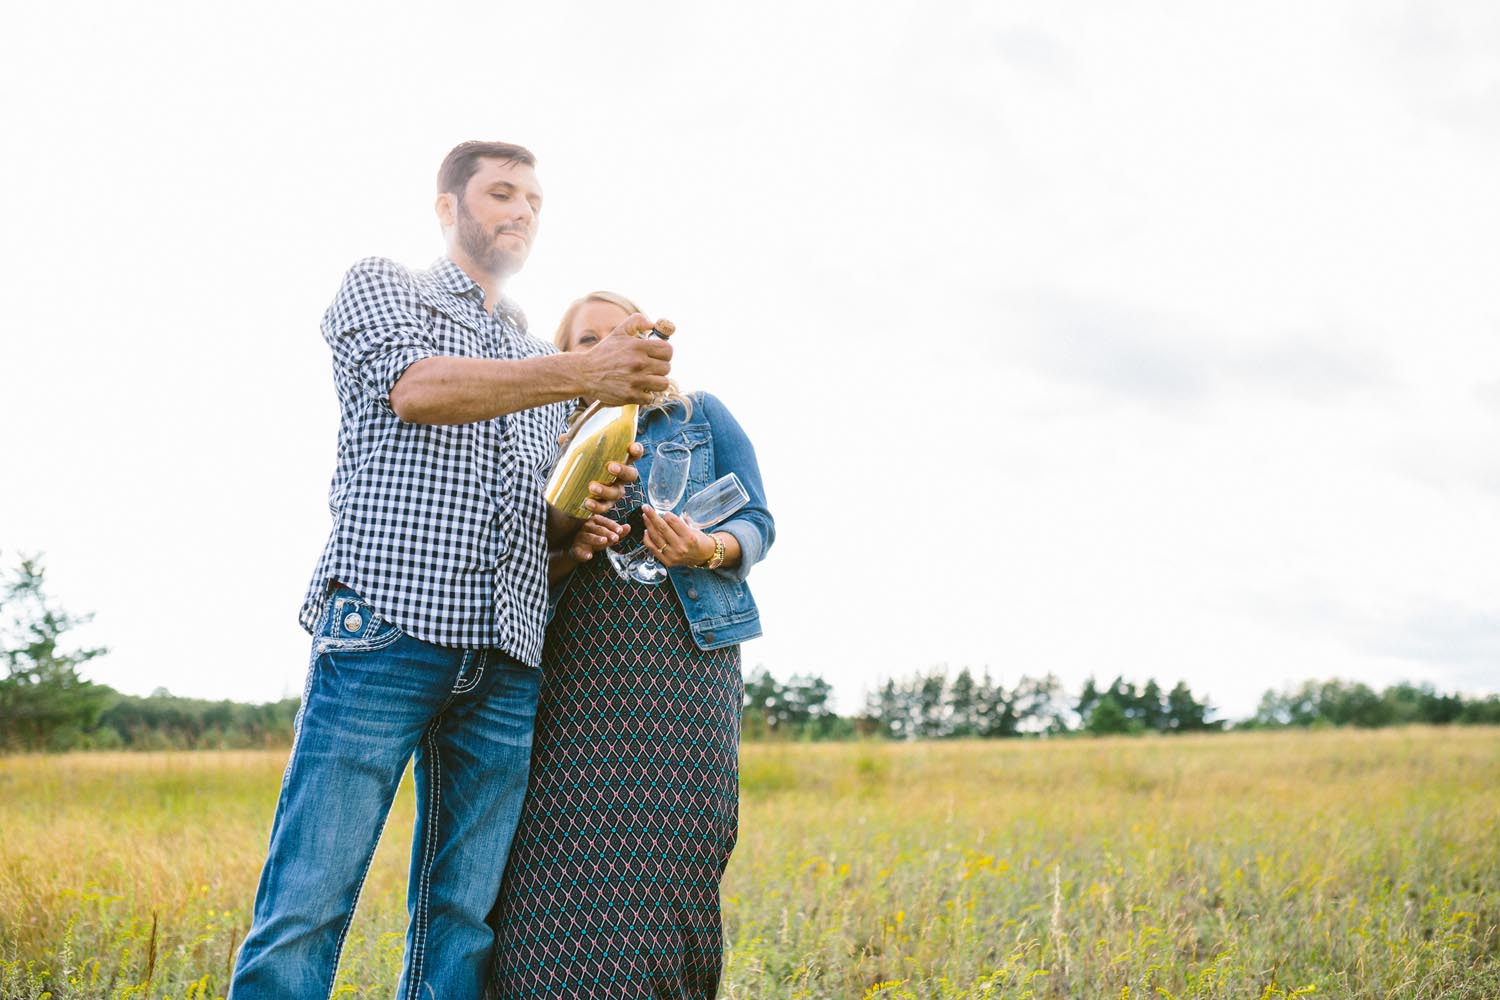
560	528
560	562
454	390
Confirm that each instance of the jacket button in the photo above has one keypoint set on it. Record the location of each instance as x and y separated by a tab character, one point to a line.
708	637
692	595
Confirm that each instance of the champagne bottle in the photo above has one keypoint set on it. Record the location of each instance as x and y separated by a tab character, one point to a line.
603	434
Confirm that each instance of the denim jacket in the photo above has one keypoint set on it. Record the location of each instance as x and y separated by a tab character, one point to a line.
719	607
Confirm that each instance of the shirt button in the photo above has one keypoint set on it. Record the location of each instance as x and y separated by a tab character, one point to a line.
692	594
708	637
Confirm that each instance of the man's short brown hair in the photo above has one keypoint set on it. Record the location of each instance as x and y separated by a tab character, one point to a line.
463	160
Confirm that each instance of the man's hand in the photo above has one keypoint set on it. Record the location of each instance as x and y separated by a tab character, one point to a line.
624	368
597	534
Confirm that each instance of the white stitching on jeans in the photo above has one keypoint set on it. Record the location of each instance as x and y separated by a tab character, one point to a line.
312	667
429	849
307	685
338	949
331	645
291	757
464	687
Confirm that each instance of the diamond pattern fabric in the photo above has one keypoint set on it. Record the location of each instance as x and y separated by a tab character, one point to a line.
612	889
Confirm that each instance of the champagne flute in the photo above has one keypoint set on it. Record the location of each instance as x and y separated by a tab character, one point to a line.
665	485
620	560
715	502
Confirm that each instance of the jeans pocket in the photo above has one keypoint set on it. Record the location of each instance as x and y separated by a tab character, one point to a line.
351	625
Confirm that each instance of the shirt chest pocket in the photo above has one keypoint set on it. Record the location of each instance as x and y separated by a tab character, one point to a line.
454	325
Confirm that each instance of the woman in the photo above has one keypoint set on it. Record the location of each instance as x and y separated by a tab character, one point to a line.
612	889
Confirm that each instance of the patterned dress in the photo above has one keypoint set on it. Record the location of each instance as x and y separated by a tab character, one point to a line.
612	889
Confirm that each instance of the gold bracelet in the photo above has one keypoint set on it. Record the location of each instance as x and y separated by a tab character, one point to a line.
717	559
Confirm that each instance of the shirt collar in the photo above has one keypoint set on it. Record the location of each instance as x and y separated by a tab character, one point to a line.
453	279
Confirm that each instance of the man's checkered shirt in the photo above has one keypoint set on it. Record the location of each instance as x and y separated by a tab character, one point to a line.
441	529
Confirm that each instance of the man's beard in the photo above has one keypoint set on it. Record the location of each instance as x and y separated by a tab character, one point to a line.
478	244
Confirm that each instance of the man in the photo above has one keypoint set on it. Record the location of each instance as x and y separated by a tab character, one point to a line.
428	606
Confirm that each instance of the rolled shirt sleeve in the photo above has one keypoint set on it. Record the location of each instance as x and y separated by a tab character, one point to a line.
375	328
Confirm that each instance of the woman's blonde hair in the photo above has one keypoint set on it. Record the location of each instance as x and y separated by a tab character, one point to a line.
565	329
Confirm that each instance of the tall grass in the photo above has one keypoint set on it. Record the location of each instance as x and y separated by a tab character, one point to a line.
1333	864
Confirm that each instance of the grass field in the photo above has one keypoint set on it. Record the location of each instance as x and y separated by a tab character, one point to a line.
1332	864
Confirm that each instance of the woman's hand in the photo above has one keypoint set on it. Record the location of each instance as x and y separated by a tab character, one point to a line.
673	541
595	535
602	496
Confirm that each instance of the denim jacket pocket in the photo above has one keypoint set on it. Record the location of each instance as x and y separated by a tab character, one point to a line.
350	625
700	457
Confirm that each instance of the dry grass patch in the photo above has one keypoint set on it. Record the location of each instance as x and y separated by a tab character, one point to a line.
1334	864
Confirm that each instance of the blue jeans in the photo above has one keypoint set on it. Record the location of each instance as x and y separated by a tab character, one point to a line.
375	696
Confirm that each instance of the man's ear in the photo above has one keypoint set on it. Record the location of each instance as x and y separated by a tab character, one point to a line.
446	207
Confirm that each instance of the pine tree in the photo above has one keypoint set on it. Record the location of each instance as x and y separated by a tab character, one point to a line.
44	703
886	708
1042	702
997	710
963	708
1184	713
932	722
1087	698
806	713
763	697
1152	707
1107	717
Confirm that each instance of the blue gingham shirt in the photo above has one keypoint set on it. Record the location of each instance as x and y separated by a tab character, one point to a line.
441	529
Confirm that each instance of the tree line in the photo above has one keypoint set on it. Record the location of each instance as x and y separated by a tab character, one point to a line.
934	705
1348	703
46	703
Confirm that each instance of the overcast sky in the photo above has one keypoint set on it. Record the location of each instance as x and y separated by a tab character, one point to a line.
1145	338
